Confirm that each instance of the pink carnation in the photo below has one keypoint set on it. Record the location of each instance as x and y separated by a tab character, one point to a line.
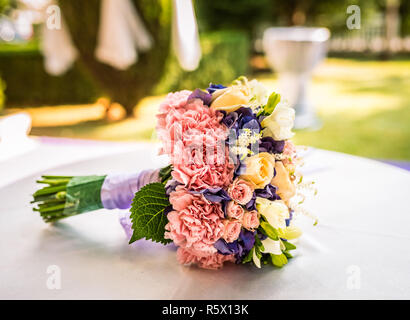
174	100
203	171
187	123
197	224
241	191
194	138
213	261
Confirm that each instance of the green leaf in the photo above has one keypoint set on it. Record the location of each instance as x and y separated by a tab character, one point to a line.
258	243
270	231
258	252
288	245
287	254
279	260
273	100
147	213
248	257
165	174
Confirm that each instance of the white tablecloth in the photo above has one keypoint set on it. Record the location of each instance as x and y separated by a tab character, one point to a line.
359	249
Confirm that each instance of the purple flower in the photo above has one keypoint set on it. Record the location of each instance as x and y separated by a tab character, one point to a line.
213	87
240	247
268	144
199	94
171	186
243	118
251	205
269	192
230	119
215	195
247	119
290	218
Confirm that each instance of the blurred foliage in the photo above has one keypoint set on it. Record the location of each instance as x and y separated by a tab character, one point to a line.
7	5
231	14
28	84
129	86
253	15
405	17
225	56
2	97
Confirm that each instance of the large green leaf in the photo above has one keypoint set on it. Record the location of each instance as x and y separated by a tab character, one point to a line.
147	213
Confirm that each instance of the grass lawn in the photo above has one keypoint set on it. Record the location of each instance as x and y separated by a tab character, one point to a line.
364	106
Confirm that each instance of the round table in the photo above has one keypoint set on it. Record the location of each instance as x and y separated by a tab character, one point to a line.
358	250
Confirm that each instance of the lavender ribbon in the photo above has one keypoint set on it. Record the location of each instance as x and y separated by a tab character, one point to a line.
118	190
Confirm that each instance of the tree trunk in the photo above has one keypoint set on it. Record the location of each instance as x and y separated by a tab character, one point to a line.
129	86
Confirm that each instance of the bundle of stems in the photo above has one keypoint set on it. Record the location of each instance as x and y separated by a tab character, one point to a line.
51	199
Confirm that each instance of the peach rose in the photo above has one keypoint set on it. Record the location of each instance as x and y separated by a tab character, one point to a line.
286	188
231	98
234	210
232	230
250	220
241	191
259	169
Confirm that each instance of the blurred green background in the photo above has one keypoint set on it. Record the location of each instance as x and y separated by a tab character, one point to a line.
360	91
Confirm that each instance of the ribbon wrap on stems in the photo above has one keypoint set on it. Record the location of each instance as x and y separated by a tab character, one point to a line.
65	196
118	190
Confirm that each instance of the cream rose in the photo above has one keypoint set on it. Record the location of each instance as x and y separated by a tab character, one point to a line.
231	98
279	124
259	169
275	212
286	188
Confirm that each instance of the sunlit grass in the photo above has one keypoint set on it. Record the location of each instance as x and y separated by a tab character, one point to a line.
364	107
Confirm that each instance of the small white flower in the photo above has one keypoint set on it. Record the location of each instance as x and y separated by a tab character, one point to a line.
256	260
259	94
279	124
272	246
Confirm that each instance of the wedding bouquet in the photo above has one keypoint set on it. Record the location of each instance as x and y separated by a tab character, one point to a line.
230	193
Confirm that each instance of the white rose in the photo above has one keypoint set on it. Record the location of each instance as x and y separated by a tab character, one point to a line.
279	124
275	212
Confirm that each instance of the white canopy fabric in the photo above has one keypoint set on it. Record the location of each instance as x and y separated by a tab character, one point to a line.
58	49
185	38
358	250
121	35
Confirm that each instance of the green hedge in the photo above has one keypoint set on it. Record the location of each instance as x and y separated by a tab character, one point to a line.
28	84
225	56
2	88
